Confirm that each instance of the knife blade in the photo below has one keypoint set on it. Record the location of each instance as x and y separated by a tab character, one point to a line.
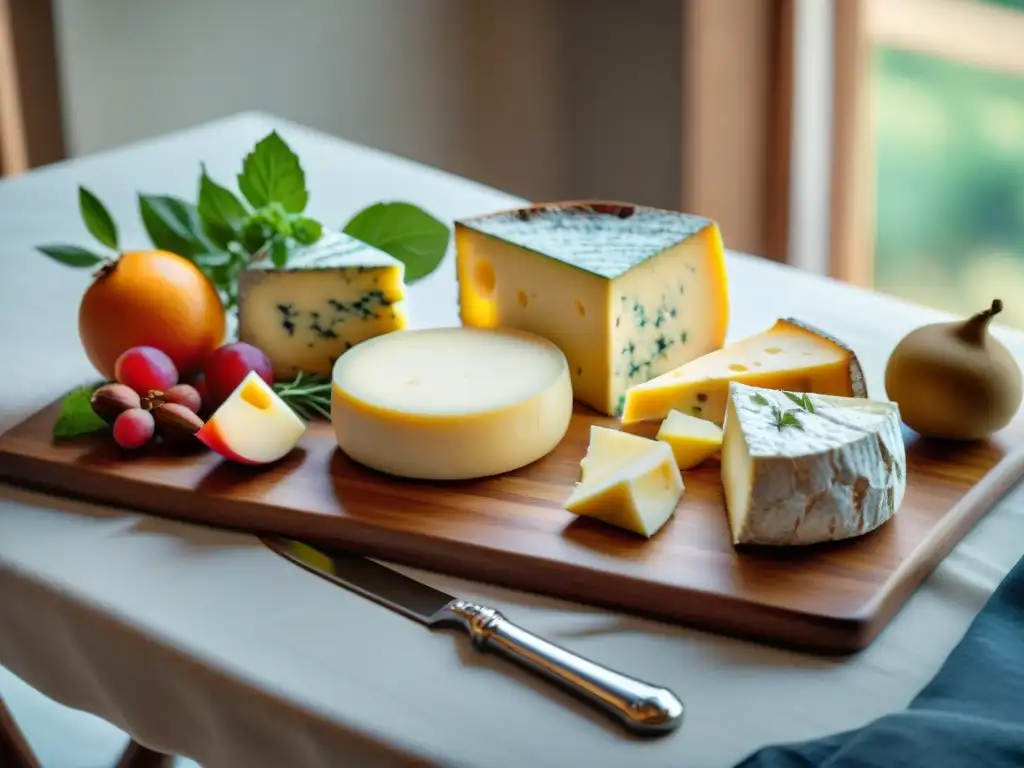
640	706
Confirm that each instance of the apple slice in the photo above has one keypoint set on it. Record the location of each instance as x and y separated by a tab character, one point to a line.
254	425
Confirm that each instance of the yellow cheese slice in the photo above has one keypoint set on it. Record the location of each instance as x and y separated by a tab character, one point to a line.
639	495
608	449
790	355
626	291
450	403
693	440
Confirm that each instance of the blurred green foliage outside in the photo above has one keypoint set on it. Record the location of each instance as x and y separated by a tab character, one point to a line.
950	183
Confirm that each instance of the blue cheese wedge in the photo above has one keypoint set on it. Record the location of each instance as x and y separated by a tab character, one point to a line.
803	468
626	291
329	297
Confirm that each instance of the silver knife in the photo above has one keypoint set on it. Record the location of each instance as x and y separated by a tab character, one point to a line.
640	706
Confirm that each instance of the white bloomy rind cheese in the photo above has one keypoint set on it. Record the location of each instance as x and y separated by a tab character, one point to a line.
628	481
627	292
327	298
822	469
451	403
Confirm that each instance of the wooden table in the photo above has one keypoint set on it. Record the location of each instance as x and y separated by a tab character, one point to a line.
203	643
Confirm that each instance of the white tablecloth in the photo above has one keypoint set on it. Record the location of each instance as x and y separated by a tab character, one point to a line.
203	643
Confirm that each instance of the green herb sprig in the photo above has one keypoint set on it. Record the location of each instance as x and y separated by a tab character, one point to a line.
780	418
308	396
223	232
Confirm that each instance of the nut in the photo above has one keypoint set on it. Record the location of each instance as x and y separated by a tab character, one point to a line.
111	400
175	423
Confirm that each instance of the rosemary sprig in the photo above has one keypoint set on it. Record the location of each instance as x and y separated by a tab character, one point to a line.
308	396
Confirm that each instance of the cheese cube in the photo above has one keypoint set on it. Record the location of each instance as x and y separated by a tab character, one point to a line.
627	292
789	355
640	494
328	297
609	448
800	468
693	441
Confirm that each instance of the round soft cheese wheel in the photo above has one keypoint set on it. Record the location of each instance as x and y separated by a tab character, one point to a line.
450	403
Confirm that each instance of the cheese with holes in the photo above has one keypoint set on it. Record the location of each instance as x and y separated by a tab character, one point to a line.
639	493
693	441
627	292
330	296
450	403
789	355
803	468
609	448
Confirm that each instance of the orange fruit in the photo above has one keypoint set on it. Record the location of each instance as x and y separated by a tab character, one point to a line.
151	298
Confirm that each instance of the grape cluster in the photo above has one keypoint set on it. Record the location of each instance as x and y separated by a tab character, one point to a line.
147	400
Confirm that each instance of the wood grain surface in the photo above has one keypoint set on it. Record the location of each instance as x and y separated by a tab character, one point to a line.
512	529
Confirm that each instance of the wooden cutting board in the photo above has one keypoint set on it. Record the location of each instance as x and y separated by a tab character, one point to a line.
512	529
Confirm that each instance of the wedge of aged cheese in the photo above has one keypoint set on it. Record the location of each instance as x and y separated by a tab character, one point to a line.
693	441
801	468
639	494
450	403
329	297
789	355
609	448
627	292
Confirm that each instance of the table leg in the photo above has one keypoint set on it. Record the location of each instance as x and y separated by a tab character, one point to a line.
14	749
138	756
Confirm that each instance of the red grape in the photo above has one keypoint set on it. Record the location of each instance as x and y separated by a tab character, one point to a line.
146	368
228	365
134	428
186	395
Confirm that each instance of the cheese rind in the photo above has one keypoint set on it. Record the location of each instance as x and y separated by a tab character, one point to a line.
639	494
693	441
626	291
789	355
328	297
803	468
450	403
609	448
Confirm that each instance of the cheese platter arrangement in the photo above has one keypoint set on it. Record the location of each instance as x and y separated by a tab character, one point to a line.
589	430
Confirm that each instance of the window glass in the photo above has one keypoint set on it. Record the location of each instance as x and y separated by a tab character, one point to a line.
950	183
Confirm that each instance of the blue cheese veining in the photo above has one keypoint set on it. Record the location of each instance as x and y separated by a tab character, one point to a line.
328	297
628	292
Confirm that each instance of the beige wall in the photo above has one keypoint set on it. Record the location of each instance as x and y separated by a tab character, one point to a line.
542	98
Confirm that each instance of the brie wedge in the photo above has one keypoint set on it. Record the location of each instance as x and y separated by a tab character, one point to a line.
804	468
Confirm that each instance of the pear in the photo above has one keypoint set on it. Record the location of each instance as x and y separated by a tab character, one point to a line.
955	380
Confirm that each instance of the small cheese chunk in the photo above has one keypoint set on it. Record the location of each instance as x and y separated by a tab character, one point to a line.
693	441
450	403
789	355
608	449
640	494
627	292
800	468
329	297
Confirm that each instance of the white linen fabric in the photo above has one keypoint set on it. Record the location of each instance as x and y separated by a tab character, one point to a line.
203	643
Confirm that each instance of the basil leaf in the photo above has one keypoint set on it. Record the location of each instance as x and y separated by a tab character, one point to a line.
274	216
279	252
271	173
306	230
405	231
219	210
97	219
77	416
71	255
174	225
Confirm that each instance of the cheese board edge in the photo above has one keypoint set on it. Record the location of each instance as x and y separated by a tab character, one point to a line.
746	619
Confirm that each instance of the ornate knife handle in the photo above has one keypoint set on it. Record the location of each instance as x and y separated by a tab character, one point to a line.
643	708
